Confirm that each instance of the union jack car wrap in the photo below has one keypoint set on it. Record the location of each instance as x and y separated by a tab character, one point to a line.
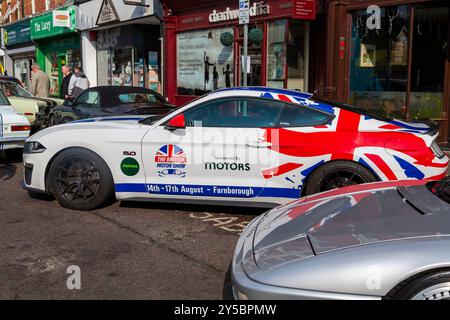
248	146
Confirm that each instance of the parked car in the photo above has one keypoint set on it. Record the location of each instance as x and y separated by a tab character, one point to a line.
110	101
25	103
386	240
14	129
12	79
249	146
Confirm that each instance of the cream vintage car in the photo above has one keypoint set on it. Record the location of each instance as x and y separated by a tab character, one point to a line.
34	108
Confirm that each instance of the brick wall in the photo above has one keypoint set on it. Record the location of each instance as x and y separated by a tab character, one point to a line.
25	8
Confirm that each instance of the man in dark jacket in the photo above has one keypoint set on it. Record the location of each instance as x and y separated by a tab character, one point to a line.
65	83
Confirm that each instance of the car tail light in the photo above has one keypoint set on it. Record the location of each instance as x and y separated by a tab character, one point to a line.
20	128
29	114
436	150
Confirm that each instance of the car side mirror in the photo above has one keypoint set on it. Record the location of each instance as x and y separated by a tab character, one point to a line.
176	122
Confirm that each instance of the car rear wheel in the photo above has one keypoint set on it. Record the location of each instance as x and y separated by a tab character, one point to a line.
337	174
433	286
81	180
13	155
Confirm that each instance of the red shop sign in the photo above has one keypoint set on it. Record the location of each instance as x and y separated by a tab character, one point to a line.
304	9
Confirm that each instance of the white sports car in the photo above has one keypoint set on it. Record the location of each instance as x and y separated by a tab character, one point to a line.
14	128
244	146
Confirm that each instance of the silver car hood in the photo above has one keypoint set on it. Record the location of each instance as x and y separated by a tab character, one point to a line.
324	223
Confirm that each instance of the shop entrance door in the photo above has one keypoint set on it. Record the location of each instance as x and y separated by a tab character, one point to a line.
254	78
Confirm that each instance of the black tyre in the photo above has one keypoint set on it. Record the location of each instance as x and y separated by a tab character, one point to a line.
227	291
337	174
79	179
433	286
14	155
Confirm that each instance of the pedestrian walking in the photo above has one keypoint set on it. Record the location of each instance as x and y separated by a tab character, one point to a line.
66	81
215	78
40	82
78	83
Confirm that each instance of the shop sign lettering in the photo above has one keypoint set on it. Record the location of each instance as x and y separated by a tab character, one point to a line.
257	9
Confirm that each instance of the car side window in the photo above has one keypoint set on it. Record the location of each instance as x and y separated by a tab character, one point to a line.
90	98
235	113
298	116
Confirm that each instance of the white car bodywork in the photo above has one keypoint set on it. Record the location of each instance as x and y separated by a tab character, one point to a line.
196	164
9	137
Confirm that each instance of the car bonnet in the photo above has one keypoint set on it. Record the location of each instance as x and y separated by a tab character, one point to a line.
305	228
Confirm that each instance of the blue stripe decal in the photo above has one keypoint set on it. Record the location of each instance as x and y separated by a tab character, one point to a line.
410	170
304	95
410	127
364	163
208	190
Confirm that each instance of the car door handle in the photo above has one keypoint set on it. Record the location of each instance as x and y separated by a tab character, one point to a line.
258	145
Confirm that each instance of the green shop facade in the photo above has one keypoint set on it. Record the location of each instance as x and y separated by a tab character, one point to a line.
57	43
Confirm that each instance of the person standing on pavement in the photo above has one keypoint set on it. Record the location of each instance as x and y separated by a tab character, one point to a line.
66	81
78	83
40	83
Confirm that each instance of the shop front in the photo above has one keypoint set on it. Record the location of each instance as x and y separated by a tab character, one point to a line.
204	46
398	65
19	50
57	43
121	42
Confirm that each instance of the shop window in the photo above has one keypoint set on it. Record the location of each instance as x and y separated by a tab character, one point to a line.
297	55
276	54
235	113
122	68
428	61
204	61
379	66
22	70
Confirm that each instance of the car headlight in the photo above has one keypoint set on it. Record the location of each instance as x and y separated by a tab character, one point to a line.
33	147
436	150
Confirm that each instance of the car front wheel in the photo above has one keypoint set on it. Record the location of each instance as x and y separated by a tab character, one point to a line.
337	174
433	286
79	179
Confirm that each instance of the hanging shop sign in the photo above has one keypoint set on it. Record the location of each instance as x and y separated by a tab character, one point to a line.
43	26
19	32
304	9
107	13
61	18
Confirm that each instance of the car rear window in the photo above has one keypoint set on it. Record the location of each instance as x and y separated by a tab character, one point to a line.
3	99
147	98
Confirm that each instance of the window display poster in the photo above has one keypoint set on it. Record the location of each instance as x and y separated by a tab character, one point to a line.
203	63
367	58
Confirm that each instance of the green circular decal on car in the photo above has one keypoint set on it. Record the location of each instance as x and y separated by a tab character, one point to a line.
129	167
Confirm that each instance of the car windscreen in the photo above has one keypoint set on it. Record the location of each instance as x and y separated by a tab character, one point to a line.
140	98
155	118
3	99
360	110
12	89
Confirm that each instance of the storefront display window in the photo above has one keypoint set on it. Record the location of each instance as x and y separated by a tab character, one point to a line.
22	69
122	70
379	69
380	79
276	54
428	61
128	67
297	57
204	61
